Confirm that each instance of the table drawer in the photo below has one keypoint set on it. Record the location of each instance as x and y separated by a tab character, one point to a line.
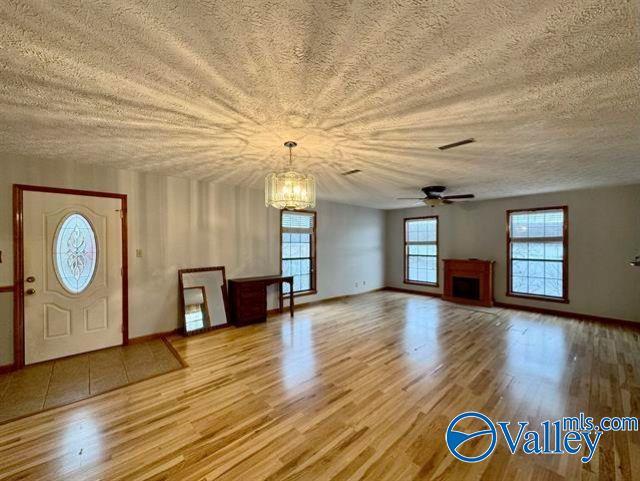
249	303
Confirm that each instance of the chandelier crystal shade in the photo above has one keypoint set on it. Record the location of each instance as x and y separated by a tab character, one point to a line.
290	189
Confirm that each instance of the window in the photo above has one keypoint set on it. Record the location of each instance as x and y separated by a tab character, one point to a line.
421	250
537	253
298	250
75	253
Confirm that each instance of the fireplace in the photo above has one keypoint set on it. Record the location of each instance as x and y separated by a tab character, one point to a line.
468	281
466	287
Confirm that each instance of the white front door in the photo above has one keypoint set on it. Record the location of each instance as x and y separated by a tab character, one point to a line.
72	271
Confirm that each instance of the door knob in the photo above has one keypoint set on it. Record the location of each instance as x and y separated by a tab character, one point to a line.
30	292
31	279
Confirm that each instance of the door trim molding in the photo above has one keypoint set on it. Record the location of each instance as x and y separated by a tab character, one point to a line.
18	261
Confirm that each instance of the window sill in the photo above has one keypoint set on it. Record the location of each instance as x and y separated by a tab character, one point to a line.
418	283
301	294
560	300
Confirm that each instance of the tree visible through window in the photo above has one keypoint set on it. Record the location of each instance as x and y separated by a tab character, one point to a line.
421	250
537	253
297	253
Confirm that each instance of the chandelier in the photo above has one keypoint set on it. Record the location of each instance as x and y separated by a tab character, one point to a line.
290	189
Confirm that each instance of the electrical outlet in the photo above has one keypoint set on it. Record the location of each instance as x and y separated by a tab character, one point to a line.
364	283
138	252
356	284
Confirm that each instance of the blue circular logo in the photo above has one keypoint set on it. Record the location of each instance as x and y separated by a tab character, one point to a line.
455	439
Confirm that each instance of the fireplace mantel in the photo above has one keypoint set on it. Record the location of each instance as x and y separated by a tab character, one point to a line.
468	281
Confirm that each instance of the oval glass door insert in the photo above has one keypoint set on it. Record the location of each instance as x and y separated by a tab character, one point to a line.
75	253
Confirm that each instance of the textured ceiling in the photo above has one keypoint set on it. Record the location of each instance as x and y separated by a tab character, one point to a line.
211	90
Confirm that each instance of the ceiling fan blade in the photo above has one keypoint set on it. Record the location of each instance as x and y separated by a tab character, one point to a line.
445	201
461	196
409	198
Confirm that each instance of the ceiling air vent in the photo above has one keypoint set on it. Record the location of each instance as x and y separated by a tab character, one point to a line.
351	172
457	144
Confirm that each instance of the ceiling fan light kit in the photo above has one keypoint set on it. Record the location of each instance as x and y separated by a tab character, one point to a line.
290	189
433	202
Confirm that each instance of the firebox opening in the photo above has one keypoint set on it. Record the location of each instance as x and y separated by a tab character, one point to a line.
466	287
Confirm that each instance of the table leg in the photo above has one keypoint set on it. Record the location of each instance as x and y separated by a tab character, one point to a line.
280	297
291	299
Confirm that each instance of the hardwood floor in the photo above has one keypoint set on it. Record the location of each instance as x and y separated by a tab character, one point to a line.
357	389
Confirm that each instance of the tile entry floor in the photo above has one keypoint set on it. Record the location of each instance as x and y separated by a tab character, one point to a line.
59	382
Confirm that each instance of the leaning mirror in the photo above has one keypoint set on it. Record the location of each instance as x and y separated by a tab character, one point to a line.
203	299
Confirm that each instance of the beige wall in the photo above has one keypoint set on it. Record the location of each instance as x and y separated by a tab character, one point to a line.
180	223
604	234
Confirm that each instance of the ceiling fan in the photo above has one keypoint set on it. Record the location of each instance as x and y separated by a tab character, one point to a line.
434	197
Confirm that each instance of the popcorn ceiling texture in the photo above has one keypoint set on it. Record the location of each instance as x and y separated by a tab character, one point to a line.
211	90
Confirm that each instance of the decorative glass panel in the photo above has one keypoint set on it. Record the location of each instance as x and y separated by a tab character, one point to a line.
75	253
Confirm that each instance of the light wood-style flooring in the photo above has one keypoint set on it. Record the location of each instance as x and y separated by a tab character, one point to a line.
357	389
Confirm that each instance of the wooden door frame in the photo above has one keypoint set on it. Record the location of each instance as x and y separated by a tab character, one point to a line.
18	261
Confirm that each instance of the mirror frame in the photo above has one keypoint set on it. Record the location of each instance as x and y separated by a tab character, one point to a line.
223	287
